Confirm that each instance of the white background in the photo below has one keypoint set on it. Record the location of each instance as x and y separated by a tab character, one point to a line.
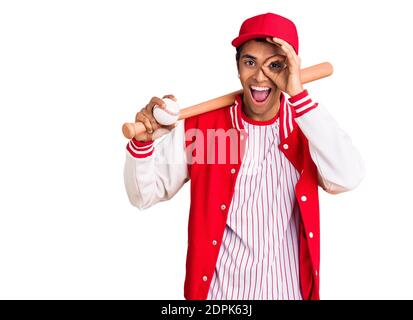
71	72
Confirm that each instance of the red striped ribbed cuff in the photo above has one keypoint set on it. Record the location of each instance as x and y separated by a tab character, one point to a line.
139	149
302	103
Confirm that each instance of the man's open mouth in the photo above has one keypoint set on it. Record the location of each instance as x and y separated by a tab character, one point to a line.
260	94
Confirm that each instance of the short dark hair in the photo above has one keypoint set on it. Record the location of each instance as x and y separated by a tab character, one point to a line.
239	49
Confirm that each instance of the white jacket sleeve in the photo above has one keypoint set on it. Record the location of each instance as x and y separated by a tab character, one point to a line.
155	172
340	166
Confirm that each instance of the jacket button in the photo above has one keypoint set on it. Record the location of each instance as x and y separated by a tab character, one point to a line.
311	235
214	242
205	278
285	146
223	207
303	198
232	170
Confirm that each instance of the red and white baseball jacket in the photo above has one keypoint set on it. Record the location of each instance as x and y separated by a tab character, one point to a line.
321	152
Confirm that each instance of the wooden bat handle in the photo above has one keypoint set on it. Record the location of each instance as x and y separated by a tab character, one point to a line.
309	74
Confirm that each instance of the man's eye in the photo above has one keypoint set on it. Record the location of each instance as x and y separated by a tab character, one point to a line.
249	62
276	65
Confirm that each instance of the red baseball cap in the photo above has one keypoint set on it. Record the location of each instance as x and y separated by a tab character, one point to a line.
267	25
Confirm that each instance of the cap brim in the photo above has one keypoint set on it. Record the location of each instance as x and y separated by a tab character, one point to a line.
245	37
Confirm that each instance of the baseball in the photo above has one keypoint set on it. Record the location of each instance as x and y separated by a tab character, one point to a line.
169	115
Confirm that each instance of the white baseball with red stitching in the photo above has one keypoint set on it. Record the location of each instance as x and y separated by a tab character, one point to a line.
169	115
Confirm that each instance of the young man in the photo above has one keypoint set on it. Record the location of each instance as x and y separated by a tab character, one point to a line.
254	219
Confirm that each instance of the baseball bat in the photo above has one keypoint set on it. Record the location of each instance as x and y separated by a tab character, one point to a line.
308	74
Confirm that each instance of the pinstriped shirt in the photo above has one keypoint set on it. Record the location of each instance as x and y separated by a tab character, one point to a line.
259	254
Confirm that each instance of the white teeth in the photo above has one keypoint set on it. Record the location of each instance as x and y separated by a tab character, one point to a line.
260	88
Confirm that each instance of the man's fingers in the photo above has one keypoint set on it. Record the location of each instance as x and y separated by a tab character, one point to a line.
149	114
282	43
267	72
146	122
273	71
292	56
272	75
281	62
270	40
145	116
170	96
156	101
